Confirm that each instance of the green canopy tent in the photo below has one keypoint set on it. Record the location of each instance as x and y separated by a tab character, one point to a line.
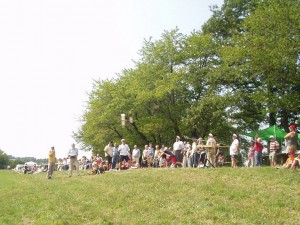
266	133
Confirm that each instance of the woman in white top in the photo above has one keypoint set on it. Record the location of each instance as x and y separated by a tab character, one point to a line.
233	150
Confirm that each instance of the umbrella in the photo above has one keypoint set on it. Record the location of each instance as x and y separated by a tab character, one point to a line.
266	133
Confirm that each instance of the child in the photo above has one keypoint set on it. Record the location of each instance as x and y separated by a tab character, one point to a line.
289	162
251	155
220	159
94	168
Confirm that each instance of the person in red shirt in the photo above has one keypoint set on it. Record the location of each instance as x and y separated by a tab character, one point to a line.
258	147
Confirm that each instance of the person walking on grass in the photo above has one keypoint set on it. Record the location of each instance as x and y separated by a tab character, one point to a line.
73	154
51	162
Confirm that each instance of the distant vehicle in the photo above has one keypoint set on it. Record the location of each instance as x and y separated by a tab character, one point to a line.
19	167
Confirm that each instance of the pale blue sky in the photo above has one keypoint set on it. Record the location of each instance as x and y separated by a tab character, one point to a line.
52	50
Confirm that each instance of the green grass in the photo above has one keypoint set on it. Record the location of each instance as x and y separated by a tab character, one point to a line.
153	196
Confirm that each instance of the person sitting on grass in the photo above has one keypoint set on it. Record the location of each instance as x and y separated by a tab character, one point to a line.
106	166
94	168
296	163
220	159
124	165
162	160
289	162
135	165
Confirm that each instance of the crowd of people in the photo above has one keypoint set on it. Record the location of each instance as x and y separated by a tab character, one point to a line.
198	154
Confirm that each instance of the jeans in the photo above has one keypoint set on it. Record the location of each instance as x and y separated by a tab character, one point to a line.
115	160
258	158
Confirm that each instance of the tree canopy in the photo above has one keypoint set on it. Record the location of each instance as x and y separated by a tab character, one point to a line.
240	71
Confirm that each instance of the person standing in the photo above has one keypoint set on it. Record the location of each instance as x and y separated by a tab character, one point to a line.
274	145
157	154
151	150
73	154
258	147
51	162
291	140
251	155
108	150
124	151
233	150
136	154
115	158
147	159
194	152
211	151
177	148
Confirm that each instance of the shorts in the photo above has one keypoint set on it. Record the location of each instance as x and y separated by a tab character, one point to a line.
272	155
234	156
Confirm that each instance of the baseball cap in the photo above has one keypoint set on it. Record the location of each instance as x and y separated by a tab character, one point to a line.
272	136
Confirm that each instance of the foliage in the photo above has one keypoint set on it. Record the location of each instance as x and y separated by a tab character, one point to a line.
4	160
265	60
240	71
14	163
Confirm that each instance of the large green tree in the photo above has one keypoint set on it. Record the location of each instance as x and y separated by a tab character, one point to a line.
259	50
240	71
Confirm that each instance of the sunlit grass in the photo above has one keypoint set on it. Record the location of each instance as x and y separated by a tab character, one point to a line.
152	196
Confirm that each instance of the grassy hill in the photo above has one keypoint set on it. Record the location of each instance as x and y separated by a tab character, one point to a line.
153	196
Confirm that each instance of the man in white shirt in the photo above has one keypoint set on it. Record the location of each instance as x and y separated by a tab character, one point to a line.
124	151
177	148
72	154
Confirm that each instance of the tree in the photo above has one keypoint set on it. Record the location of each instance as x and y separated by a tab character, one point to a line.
4	160
241	71
259	53
264	60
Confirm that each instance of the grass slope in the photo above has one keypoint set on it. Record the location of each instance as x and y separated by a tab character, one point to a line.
153	196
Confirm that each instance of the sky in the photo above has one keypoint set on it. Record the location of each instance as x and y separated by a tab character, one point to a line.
52	51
